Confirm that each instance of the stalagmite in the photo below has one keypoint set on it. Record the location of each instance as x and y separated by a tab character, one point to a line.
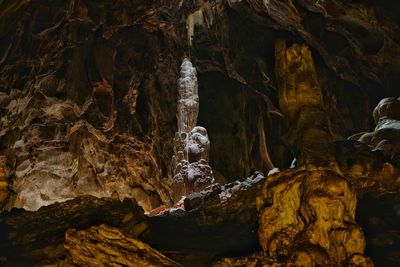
386	135
188	103
310	216
300	99
191	144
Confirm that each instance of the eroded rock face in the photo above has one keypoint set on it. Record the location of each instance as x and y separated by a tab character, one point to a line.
192	172
371	160
300	99
386	135
69	125
39	236
81	163
221	220
311	215
104	245
4	186
369	170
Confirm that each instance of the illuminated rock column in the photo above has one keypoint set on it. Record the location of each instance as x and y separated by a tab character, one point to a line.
307	215
191	144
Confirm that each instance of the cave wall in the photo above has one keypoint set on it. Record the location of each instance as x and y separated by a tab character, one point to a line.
73	76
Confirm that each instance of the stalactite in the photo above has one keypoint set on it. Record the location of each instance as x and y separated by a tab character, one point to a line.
195	18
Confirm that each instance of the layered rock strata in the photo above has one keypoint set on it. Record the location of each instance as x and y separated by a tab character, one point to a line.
107	246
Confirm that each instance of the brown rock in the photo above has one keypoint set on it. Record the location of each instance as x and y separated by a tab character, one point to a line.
39	236
4	185
310	217
300	98
103	246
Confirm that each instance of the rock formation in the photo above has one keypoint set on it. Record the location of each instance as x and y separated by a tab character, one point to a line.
4	186
103	245
191	143
188	102
89	106
309	218
386	135
300	99
38	237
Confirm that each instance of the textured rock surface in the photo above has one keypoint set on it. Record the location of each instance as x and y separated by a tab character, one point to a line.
69	121
386	135
370	160
368	170
253	260
222	220
4	186
216	222
38	237
191	143
188	102
192	173
106	246
310	215
300	99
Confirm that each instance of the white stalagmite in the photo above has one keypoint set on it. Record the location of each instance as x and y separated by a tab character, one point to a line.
191	144
188	103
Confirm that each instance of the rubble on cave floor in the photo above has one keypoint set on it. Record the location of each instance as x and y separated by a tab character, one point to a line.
215	193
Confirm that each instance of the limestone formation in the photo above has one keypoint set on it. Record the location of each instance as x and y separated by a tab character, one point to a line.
300	99
188	103
310	215
375	156
107	246
4	186
309	212
368	169
39	236
191	143
386	135
253	260
57	173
